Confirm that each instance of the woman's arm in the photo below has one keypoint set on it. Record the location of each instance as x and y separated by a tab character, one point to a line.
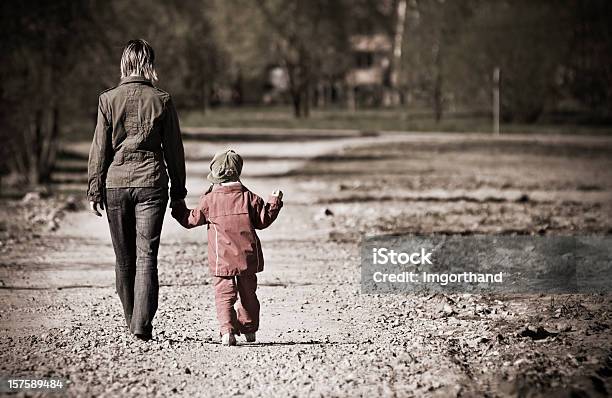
190	218
100	155
174	153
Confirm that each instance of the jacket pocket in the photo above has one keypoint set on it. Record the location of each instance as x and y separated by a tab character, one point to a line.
118	158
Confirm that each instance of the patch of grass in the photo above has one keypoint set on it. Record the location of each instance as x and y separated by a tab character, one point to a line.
385	119
370	120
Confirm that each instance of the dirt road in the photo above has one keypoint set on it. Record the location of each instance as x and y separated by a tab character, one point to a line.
319	336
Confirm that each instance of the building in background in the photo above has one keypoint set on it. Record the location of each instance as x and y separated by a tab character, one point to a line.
369	76
365	83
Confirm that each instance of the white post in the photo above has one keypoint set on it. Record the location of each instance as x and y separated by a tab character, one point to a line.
496	102
397	51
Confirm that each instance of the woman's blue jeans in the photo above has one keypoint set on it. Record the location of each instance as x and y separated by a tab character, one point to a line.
135	217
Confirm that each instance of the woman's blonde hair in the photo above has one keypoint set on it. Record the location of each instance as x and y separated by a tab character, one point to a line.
139	58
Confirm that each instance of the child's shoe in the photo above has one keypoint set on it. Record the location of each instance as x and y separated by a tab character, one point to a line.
250	337
228	339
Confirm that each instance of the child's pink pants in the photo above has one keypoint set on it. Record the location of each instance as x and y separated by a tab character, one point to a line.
227	291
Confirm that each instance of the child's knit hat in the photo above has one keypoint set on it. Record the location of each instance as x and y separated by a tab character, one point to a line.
225	166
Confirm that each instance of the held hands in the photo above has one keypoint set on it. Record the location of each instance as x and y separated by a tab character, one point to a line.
178	207
278	193
178	203
93	207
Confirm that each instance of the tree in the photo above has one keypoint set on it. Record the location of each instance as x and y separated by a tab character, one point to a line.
308	39
241	32
527	41
59	55
433	33
587	72
188	59
45	44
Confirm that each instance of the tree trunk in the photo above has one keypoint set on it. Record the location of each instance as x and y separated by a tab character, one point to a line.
294	91
438	103
391	93
321	97
351	102
49	155
296	100
43	143
204	96
33	146
238	94
438	98
306	100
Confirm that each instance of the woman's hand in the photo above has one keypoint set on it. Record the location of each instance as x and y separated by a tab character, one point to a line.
178	209
93	207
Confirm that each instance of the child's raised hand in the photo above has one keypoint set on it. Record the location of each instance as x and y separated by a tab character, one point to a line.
278	193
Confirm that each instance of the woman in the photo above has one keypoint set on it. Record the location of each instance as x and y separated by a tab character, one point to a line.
137	138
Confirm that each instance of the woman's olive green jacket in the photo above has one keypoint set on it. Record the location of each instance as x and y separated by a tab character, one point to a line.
137	141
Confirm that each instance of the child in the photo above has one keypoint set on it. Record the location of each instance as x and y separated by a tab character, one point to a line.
232	213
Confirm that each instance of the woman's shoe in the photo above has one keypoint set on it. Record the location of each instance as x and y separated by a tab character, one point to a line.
144	336
250	337
228	339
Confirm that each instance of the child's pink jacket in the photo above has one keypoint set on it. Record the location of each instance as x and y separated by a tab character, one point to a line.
232	213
